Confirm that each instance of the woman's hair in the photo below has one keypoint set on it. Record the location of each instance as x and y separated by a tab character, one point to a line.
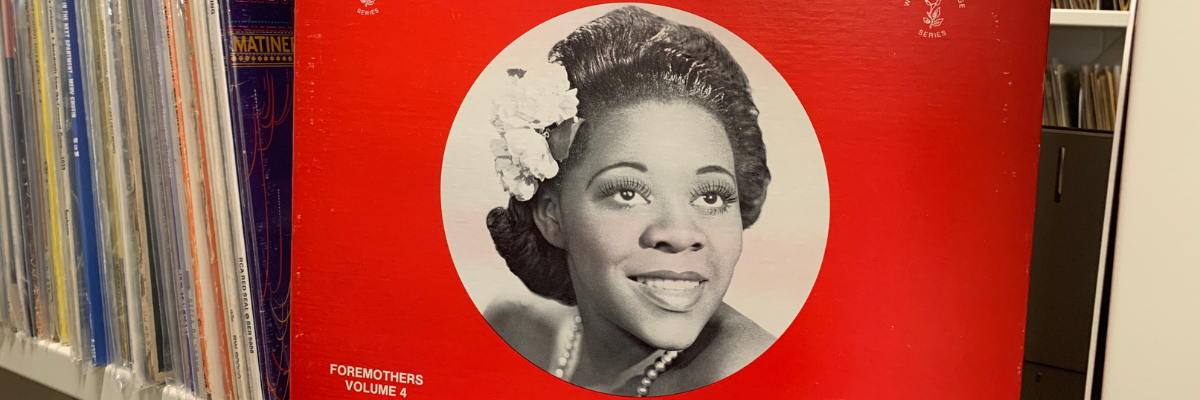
623	58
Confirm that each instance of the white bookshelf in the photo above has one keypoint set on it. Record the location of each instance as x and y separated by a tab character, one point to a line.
51	364
1078	38
1089	18
1088	37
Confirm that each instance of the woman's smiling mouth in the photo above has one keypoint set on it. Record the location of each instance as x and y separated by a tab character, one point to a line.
671	291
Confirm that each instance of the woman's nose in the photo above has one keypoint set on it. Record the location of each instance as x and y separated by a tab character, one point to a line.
674	230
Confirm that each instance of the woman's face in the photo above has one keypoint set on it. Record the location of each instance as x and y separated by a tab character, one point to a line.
650	221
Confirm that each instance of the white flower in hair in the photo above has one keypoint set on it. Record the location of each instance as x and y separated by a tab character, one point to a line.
516	183
536	120
536	98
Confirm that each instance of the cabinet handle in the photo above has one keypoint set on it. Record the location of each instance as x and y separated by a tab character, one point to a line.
1058	176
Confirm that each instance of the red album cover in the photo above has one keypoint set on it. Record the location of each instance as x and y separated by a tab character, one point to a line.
566	199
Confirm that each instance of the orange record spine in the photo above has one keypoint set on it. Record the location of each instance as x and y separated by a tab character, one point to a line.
212	245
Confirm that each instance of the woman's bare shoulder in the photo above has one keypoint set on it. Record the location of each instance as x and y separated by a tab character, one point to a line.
729	342
736	342
528	324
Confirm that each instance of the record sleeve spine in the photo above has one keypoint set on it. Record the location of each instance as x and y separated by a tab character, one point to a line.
32	178
190	351
223	279
67	218
54	273
123	189
189	274
138	274
218	382
91	278
259	54
12	238
18	306
237	273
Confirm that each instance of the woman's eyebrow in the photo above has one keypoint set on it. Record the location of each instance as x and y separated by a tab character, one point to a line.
635	165
714	169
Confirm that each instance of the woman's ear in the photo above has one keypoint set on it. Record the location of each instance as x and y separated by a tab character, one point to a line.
548	217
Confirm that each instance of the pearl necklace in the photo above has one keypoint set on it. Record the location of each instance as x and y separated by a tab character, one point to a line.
570	358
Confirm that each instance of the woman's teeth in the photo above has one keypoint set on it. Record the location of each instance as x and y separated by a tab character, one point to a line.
671	293
668	284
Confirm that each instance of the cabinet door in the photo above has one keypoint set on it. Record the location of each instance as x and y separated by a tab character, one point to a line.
1072	183
1039	382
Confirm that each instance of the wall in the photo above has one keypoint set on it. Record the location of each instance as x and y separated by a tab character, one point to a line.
1154	321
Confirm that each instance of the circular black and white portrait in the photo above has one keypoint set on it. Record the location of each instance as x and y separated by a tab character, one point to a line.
635	199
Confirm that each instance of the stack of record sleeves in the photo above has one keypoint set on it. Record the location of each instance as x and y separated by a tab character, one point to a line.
146	168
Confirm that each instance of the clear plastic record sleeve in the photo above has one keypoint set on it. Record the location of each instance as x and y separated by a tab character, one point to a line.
32	179
13	243
21	84
229	249
106	280
76	242
128	181
158	293
259	57
227	188
90	279
180	118
138	276
73	296
43	285
6	317
139	130
205	278
102	79
7	284
5	320
60	244
178	290
11	144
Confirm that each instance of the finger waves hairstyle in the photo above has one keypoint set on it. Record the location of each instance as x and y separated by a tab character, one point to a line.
623	58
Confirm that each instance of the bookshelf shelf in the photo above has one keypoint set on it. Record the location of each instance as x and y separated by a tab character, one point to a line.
1089	18
51	365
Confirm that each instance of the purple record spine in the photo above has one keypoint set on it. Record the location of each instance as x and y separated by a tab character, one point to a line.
259	56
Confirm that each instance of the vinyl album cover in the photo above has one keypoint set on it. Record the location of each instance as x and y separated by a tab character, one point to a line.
259	48
816	199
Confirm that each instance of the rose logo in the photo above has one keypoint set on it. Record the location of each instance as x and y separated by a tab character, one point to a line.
933	17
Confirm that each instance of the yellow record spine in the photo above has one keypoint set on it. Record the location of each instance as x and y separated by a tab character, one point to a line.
56	251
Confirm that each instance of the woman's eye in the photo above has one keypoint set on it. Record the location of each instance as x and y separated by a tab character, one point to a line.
629	197
712	200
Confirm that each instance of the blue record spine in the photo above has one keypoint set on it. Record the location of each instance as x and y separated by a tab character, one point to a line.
83	168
